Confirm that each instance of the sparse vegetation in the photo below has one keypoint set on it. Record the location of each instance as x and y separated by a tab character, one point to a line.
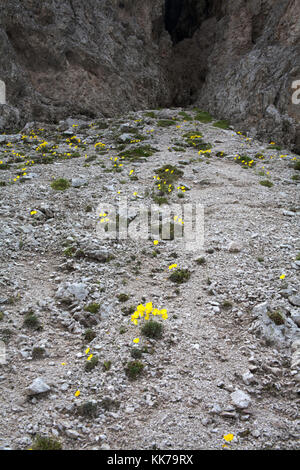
31	321
266	183
152	329
276	317
221	124
46	443
202	116
92	308
123	297
89	335
88	410
60	184
90	365
179	276
134	369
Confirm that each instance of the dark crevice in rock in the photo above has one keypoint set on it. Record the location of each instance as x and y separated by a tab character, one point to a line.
183	17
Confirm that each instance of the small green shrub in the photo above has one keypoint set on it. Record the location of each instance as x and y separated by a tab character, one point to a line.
134	369
136	353
60	184
89	335
180	276
128	310
90	365
69	252
106	366
226	305
276	317
38	353
152	329
123	297
31	321
46	443
88	409
297	165
92	308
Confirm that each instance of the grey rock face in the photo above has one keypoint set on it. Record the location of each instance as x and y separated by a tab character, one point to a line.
239	60
240	399
72	291
38	386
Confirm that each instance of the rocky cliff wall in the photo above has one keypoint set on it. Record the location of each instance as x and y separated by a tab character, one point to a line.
236	59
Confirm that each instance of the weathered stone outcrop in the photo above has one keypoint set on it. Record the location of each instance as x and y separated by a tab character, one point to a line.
237	59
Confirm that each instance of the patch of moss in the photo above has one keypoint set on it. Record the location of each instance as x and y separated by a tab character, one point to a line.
185	116
202	116
166	122
226	305
150	114
266	183
60	184
69	252
223	124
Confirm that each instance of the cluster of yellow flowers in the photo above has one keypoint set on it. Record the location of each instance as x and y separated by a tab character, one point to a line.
103	217
193	137
145	311
204	151
172	266
99	144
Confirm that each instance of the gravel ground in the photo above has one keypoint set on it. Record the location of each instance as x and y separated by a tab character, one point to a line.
228	361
